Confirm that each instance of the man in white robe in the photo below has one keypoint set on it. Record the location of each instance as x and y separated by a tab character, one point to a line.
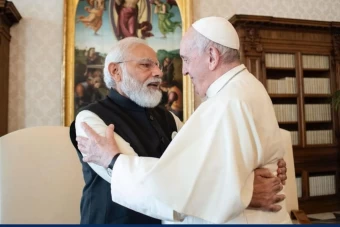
206	173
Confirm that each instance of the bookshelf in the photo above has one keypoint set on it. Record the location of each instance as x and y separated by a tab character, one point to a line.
298	61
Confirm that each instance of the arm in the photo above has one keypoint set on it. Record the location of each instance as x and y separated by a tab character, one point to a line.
163	9
177	179
200	165
88	9
99	127
266	186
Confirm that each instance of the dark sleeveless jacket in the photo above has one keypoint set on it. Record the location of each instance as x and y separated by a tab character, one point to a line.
147	130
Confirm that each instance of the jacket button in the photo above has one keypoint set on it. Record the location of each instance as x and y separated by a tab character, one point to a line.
151	117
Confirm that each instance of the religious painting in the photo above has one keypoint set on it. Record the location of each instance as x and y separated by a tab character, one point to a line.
99	24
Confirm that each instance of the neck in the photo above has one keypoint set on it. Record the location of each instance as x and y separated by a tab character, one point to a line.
220	71
227	67
119	90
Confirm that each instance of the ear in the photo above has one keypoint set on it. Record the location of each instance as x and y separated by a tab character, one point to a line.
115	72
214	57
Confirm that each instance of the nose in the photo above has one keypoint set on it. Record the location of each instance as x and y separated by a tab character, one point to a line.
157	72
184	70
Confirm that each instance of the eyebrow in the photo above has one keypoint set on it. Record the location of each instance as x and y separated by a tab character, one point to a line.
148	59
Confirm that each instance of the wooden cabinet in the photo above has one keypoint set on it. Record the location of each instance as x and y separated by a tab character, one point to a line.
298	61
8	16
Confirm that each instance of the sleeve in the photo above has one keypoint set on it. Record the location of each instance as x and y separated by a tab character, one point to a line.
127	191
207	170
99	127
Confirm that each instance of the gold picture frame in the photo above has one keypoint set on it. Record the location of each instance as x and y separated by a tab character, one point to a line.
185	7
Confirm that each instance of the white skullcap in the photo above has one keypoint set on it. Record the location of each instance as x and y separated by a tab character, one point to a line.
219	30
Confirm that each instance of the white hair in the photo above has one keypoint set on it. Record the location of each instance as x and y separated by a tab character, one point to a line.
201	43
119	53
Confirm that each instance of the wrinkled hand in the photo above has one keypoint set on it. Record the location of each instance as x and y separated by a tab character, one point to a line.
266	187
97	149
282	171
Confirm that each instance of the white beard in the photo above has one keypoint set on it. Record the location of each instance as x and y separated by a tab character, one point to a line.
140	93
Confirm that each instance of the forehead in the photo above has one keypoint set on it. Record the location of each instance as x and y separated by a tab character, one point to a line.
186	47
143	51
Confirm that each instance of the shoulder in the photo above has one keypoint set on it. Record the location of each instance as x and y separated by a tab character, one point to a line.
92	119
221	105
86	115
96	107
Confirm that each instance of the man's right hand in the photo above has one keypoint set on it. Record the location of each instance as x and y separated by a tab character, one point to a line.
266	189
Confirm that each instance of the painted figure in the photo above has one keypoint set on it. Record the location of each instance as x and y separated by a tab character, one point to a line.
89	85
94	20
129	15
165	24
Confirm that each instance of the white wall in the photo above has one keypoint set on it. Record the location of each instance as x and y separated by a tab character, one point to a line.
36	49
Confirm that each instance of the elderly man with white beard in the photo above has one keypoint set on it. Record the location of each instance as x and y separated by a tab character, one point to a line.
142	128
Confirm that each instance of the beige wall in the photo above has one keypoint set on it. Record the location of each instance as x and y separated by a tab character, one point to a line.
327	10
36	49
35	64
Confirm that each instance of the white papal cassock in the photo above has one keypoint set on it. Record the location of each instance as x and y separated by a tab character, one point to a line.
206	173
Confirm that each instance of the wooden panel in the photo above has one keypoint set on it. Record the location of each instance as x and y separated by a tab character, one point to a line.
288	36
320	155
4	71
8	16
320	204
254	66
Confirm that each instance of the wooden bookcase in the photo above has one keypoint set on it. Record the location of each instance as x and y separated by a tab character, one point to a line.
8	16
298	61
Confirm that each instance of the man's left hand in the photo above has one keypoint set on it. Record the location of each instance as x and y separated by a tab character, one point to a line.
267	186
265	192
97	149
282	171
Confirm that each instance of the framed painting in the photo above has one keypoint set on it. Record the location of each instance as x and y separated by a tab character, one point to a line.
92	27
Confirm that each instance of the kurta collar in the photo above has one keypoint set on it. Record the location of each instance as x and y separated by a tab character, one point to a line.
124	102
218	84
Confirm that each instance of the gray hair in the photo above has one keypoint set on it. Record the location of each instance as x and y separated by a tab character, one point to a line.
119	53
201	43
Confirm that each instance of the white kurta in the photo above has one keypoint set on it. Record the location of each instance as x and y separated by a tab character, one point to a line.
207	170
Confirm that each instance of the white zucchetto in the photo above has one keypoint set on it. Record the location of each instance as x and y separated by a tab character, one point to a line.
219	30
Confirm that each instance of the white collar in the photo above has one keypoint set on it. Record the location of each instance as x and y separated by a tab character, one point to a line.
218	84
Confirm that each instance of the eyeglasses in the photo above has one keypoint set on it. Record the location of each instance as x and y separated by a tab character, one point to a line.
144	64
